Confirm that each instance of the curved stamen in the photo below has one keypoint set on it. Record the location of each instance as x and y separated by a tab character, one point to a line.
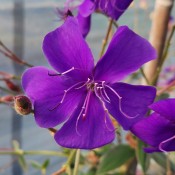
63	73
84	84
103	82
104	107
165	141
101	93
64	95
120	103
82	109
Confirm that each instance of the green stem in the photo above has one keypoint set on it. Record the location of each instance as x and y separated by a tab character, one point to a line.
159	68
144	76
33	152
115	24
44	152
69	162
167	46
105	41
77	160
71	156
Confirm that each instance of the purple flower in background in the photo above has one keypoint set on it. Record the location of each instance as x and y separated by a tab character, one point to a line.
158	130
84	96
112	8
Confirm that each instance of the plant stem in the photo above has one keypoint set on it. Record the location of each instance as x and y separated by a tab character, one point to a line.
8	53
158	35
6	90
71	156
165	53
77	160
166	88
144	76
168	165
105	41
33	152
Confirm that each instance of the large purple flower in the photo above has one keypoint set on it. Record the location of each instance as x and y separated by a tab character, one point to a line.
158	130
112	8
84	96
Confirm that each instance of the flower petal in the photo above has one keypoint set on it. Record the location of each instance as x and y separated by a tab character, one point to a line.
126	53
165	108
84	23
169	144
114	8
86	8
46	92
91	132
65	48
153	130
134	102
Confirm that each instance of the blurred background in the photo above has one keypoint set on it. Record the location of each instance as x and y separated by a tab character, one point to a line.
23	24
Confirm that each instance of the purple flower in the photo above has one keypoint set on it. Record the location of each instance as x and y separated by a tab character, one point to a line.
158	130
112	8
84	96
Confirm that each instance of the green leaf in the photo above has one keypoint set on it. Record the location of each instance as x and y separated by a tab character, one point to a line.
161	159
36	165
92	171
114	158
142	157
22	162
46	164
99	152
162	96
16	145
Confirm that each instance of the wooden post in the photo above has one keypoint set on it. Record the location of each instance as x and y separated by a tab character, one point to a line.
158	35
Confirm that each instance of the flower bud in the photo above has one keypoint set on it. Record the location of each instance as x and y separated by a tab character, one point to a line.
22	105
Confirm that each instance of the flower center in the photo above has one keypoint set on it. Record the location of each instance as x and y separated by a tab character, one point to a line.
90	86
100	89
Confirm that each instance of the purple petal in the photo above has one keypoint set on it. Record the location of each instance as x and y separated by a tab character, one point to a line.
65	48
46	92
151	149
134	102
86	8
114	8
153	130
84	23
92	132
165	108
168	145
126	53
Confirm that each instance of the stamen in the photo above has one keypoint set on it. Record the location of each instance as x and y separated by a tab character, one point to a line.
165	141
105	91
120	103
84	84
82	109
64	95
63	73
101	93
104	107
87	104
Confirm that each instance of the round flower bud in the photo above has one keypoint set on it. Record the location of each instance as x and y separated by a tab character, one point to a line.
22	105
